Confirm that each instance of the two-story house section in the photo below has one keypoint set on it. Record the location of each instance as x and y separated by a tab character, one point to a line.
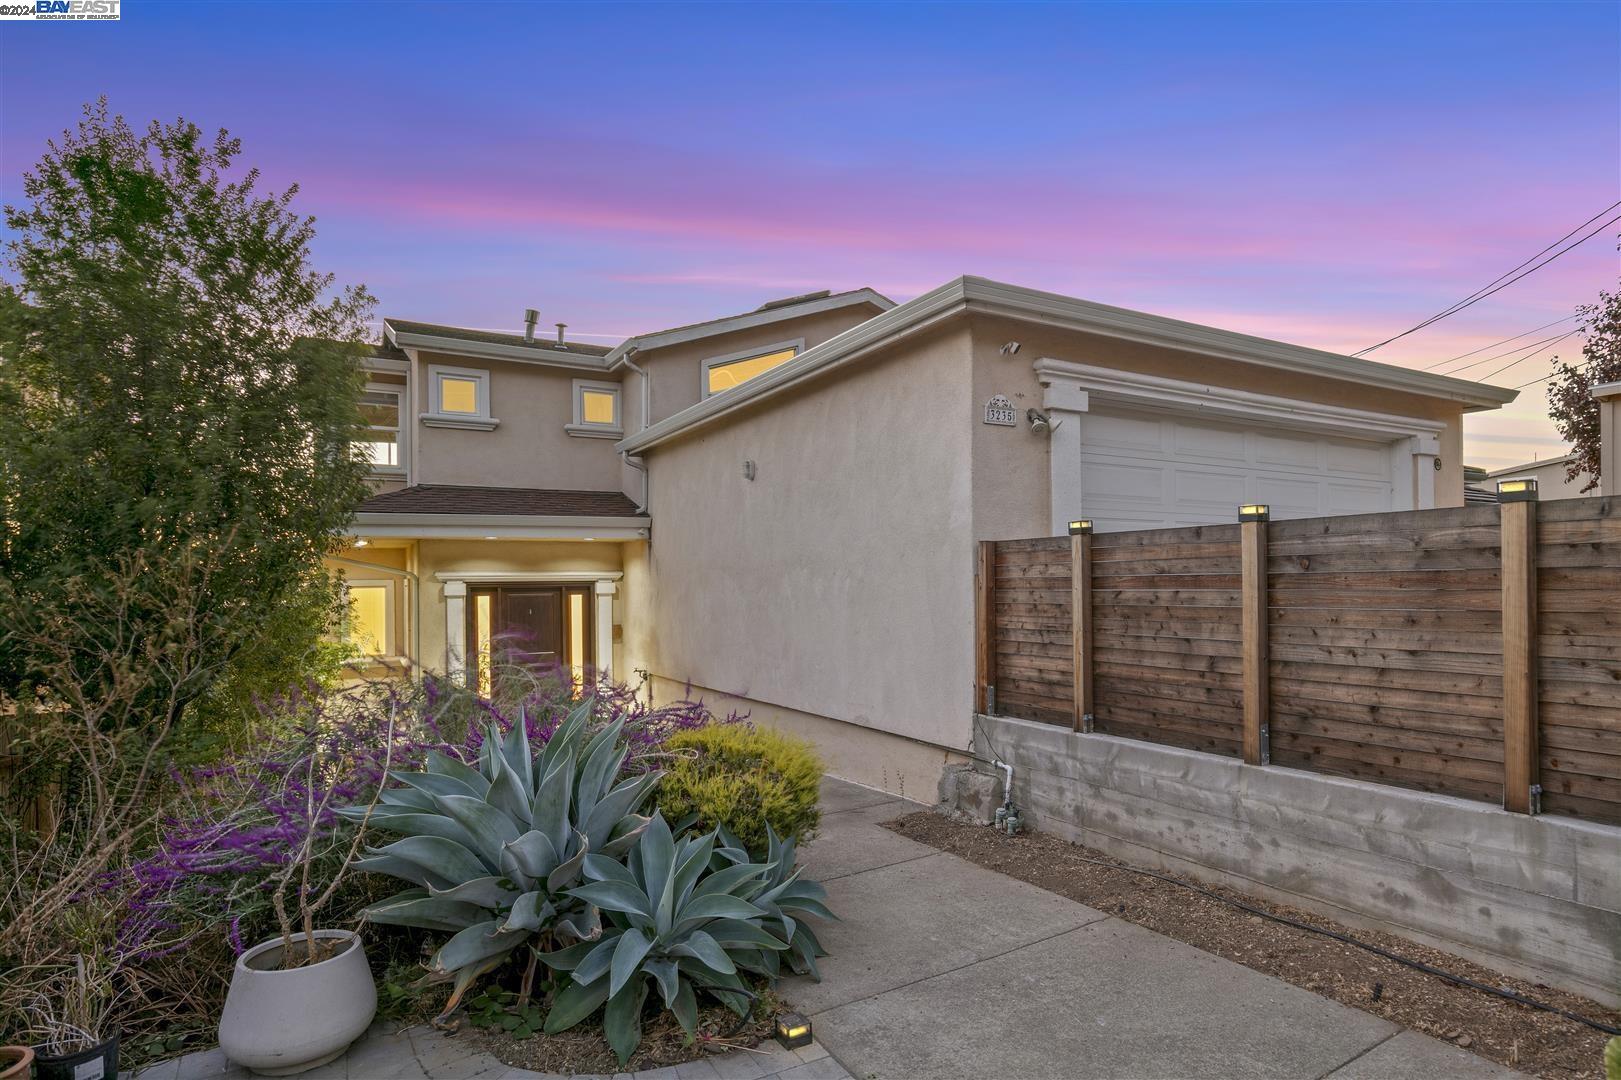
504	515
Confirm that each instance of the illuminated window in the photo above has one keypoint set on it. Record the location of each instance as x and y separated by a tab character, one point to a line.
484	641
725	372
458	398
380	410
596	410
370	605
575	622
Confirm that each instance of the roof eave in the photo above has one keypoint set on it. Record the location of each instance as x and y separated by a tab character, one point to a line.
486	350
661	338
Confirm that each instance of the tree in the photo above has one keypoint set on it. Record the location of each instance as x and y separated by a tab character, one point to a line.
179	389
1570	389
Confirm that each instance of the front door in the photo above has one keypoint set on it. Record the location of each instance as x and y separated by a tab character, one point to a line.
538	627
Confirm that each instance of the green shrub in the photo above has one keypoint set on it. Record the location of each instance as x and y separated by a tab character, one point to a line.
744	778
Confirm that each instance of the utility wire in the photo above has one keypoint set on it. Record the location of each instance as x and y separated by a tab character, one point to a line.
1529	266
1509	352
1527	356
1494	344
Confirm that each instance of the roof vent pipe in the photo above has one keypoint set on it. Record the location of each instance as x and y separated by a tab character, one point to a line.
561	344
530	318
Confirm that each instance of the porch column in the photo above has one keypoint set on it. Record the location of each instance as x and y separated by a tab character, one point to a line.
456	630
604	591
1064	402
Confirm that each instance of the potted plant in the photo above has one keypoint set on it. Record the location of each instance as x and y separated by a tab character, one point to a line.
77	1039
16	1062
299	999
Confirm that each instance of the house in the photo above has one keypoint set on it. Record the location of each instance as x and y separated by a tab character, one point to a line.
780	508
1551	475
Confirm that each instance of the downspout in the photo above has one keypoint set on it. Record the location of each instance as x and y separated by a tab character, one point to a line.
647	404
416	605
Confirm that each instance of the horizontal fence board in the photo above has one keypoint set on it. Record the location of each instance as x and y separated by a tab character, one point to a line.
1384	645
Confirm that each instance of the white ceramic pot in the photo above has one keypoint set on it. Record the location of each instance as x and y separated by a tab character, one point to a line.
279	1022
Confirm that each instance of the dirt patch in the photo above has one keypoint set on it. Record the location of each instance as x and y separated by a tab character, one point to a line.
582	1050
1504	1031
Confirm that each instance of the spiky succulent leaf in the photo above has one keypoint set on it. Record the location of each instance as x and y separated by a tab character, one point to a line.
416	908
622	1022
440	856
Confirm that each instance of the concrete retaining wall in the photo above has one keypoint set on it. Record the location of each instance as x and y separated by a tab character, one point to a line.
1538	897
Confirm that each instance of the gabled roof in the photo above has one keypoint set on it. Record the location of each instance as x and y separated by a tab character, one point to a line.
980	295
522	502
772	311
1563	459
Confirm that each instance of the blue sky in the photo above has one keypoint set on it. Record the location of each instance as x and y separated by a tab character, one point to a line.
1322	173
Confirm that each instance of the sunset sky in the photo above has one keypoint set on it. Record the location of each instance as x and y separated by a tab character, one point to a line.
1320	173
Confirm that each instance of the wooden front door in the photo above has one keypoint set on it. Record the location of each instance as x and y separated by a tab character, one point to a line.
536	626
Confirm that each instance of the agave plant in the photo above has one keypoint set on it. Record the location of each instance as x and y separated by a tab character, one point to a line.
787	899
677	922
495	851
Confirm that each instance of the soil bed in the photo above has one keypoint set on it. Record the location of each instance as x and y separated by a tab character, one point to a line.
583	1050
1503	1031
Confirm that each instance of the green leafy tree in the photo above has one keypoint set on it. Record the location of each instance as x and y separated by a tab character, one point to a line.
1570	390
179	389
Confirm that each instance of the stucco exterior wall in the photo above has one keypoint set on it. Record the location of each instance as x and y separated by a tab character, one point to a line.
1011	488
834	583
530	448
678	370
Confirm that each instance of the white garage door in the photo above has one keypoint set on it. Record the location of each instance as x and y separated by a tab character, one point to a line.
1147	471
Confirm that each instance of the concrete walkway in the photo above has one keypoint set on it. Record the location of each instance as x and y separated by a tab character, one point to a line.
941	968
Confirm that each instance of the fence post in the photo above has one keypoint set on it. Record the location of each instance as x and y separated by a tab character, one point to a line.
1517	511
1080	595
985	628
1252	560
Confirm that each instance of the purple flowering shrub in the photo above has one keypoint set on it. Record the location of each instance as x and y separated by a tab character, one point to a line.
242	820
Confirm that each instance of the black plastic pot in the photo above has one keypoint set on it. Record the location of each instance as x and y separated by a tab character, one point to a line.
98	1062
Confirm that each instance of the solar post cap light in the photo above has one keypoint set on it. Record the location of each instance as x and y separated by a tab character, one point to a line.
793	1030
1080	526
1517	490
1254	512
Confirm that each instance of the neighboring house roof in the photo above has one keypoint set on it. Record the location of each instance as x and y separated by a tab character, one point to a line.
772	311
1051	309
1473	493
523	502
1563	459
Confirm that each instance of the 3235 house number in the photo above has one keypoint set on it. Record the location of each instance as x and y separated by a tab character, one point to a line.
999	410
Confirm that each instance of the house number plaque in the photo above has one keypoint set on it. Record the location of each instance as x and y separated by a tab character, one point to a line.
999	410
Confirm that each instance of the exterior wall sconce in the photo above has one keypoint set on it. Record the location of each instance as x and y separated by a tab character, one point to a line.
1517	490
1080	527
1254	512
793	1030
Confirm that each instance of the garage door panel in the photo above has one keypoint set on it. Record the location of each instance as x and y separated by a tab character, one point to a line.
1140	471
1209	443
1131	433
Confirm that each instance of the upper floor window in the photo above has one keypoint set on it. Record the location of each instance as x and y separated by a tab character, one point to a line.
725	372
458	397
596	410
380	408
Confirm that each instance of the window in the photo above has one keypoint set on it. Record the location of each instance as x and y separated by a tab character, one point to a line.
458	398
371	605
596	410
380	410
725	372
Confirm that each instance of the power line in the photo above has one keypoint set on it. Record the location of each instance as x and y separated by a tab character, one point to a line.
1526	357
1509	352
1505	341
1503	281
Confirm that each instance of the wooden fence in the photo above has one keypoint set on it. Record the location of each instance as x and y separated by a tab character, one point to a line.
1473	651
